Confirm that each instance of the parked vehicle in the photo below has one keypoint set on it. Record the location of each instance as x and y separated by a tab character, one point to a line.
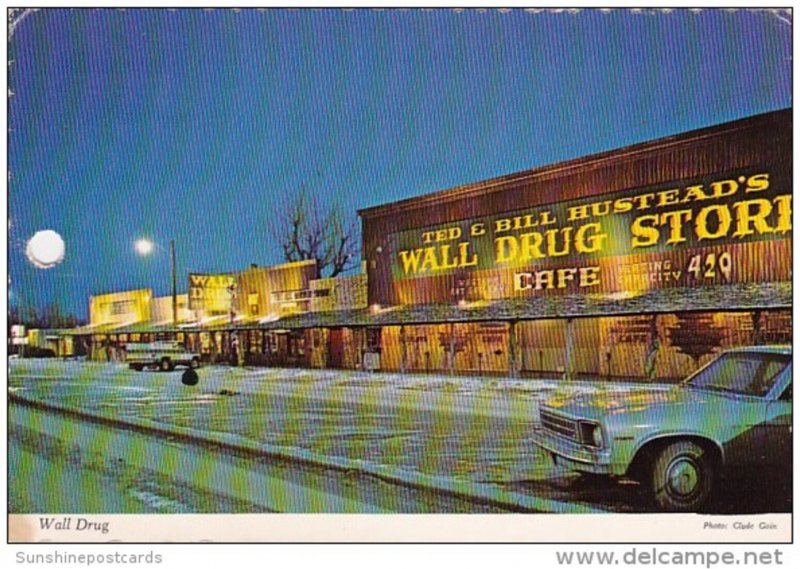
679	440
163	355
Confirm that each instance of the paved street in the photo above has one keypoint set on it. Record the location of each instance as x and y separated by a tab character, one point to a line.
452	427
464	428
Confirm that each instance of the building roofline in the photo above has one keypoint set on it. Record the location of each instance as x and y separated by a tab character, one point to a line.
590	161
131	291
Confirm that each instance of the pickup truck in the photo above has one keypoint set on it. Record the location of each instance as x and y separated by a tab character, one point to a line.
160	355
734	413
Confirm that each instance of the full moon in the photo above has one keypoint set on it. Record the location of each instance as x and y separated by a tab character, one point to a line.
45	249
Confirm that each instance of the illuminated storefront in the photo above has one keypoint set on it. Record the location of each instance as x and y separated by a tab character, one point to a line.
235	311
117	318
635	263
301	325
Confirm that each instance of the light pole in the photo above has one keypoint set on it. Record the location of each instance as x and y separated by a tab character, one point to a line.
145	247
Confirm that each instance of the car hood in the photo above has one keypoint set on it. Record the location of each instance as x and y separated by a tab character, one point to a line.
594	401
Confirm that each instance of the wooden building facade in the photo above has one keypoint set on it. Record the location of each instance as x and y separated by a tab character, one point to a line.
639	262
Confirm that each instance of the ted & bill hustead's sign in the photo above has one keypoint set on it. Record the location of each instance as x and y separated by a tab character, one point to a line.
733	228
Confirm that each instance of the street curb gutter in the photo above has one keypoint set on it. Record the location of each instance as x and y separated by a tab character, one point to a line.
480	493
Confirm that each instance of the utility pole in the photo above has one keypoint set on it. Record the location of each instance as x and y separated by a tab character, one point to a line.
174	285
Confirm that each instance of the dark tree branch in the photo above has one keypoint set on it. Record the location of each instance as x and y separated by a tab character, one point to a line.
305	230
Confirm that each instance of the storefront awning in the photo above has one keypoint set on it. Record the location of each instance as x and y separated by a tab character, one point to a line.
723	298
101	329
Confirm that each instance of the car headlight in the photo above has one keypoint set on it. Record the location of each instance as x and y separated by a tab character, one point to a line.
597	436
591	434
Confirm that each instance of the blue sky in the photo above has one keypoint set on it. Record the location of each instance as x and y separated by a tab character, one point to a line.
191	124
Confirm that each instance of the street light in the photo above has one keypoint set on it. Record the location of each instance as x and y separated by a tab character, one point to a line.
145	247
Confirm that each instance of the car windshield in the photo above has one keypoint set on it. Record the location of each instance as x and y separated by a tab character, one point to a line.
751	373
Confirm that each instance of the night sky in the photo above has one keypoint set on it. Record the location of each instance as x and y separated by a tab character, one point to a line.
191	124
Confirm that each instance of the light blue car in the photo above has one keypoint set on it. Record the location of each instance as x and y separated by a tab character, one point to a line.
678	440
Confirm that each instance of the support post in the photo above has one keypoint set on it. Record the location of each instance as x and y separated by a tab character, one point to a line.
756	316
403	350
512	349
364	347
568	369
452	362
174	285
652	349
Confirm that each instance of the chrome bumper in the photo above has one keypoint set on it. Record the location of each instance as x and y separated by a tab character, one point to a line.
572	455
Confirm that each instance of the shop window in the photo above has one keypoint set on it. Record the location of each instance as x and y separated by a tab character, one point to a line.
252	303
776	327
205	342
690	340
255	341
697	335
297	344
270	343
121	307
543	348
373	339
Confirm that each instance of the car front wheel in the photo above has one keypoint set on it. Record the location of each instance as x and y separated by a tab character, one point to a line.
682	477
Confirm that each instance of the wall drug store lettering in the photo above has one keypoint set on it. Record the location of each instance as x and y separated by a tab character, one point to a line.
210	292
724	210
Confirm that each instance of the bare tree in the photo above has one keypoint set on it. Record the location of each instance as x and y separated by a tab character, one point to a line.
50	317
308	230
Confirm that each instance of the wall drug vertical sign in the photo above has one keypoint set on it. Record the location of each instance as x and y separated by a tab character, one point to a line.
733	227
210	294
